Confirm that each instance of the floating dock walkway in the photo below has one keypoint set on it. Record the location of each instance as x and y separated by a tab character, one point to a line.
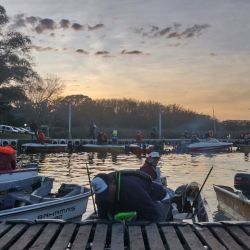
58	235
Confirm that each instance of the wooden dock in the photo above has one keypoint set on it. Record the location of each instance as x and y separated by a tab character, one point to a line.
58	235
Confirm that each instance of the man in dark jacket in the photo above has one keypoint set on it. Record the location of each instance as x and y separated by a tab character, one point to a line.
127	193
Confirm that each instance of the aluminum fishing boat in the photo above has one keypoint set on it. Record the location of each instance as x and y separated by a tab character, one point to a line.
32	199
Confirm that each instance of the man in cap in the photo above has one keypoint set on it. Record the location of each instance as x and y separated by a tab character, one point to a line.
150	166
127	193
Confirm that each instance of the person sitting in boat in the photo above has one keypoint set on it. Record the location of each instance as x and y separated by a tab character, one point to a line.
150	166
41	137
7	158
135	193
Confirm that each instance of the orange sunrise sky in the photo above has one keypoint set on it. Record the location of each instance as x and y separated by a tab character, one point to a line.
192	53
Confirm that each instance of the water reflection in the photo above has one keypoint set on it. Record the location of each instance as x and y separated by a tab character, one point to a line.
179	168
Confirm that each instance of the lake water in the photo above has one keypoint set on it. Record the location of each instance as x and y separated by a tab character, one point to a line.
179	168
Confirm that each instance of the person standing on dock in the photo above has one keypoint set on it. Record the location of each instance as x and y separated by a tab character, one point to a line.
114	136
92	130
123	193
139	137
41	137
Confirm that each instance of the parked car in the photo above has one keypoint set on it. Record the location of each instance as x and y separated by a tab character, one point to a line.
9	129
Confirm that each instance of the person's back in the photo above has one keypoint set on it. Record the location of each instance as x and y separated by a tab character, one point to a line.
135	194
7	158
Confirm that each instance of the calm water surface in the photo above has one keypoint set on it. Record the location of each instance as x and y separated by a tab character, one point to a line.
179	168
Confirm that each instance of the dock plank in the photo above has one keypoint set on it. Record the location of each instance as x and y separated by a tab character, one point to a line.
154	238
117	237
190	238
238	233
64	237
81	239
100	237
247	229
26	239
226	238
12	235
209	238
135	238
4	227
172	238
46	237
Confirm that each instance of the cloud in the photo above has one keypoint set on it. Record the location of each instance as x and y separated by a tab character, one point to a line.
81	51
102	53
213	54
95	27
32	19
43	49
64	23
132	52
77	26
173	31
19	21
194	30
45	24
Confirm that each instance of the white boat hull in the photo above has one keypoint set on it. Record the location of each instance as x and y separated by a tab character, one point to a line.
210	145
66	209
18	174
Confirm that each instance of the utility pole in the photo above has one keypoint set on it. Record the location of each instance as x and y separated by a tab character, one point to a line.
70	120
160	124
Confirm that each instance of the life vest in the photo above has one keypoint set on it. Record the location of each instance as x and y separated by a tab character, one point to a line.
114	133
8	150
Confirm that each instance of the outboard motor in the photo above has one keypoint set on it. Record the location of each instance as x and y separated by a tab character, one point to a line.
242	182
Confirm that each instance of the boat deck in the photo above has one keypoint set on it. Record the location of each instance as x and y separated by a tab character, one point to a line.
59	235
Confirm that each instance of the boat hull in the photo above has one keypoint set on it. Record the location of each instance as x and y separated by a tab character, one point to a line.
244	148
18	174
232	204
140	149
212	145
66	209
109	148
47	148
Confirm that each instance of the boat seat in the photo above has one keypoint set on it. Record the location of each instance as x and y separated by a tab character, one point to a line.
38	195
20	196
67	190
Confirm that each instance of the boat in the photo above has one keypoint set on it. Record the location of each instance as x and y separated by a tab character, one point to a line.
26	171
187	201
139	149
211	144
245	148
104	148
32	199
34	148
235	203
191	208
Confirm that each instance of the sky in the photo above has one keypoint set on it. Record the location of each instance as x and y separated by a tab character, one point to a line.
192	53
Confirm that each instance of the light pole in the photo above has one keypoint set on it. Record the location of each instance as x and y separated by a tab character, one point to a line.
160	112
70	120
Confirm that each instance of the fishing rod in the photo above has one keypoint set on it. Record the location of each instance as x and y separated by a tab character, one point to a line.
87	167
196	197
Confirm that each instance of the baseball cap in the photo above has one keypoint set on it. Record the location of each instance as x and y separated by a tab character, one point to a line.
154	154
100	185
